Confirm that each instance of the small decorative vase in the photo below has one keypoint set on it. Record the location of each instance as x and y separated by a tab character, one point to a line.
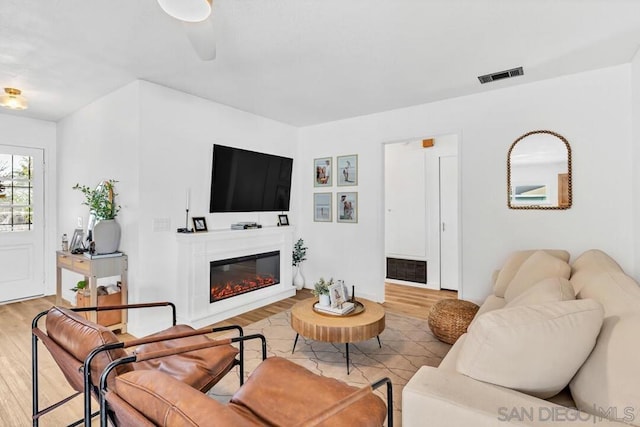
106	235
325	301
298	278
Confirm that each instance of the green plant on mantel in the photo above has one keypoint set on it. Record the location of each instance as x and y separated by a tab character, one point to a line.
321	287
299	252
101	200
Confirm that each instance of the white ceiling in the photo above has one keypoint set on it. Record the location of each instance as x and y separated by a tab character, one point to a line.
305	61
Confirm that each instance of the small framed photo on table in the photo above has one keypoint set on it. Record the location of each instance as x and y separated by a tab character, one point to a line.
199	223
337	295
283	220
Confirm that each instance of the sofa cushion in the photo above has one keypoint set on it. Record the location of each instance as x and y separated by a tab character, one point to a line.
590	263
513	263
548	290
539	266
535	349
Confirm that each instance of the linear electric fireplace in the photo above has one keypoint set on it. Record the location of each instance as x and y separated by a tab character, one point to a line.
235	276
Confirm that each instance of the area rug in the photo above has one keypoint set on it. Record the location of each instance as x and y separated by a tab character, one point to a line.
407	344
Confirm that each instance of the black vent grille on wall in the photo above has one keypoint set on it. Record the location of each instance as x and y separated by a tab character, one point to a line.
501	75
407	269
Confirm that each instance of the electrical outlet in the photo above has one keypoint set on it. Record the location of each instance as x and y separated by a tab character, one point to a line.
79	222
161	224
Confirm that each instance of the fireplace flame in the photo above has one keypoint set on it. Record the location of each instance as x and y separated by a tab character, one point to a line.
229	289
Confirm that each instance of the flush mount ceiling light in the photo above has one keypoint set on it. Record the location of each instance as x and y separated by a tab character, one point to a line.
187	10
13	99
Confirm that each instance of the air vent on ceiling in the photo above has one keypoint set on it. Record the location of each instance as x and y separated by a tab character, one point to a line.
501	75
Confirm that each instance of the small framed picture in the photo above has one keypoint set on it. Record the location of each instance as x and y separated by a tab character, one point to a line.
199	223
322	172
76	241
347	170
336	295
347	207
283	220
322	209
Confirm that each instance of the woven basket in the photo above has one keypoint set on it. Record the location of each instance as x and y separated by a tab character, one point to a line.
449	318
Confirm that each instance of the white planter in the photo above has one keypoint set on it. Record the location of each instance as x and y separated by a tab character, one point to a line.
325	301
106	235
298	278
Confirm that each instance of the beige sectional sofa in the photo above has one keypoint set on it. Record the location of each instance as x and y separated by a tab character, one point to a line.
555	344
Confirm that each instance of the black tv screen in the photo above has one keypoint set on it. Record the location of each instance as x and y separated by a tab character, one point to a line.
248	181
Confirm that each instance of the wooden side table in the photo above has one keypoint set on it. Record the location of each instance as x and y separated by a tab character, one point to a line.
92	270
337	329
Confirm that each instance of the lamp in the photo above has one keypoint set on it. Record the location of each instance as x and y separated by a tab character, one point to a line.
187	10
13	99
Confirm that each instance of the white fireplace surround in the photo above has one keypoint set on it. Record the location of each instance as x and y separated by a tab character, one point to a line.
197	250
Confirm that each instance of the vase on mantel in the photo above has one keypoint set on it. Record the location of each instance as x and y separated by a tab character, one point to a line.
298	278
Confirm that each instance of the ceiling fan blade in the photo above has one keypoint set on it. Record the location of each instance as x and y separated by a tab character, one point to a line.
203	38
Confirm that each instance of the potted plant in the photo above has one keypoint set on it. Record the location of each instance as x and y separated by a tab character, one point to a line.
321	290
103	228
298	256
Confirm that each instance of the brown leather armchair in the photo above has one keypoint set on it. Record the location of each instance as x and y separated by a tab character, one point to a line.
82	349
277	393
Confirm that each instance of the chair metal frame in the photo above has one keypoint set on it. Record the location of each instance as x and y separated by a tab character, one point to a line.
310	422
89	388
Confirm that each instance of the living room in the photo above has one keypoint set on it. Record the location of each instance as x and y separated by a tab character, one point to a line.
157	141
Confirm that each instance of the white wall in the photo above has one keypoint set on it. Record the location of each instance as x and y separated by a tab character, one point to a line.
592	110
98	142
157	143
32	133
635	158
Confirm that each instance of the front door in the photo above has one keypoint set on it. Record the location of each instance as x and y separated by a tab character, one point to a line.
21	223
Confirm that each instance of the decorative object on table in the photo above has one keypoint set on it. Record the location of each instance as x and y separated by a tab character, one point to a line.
322	172
283	220
347	170
298	256
337	294
65	242
347	207
76	246
103	229
199	223
322	207
449	318
321	290
186	228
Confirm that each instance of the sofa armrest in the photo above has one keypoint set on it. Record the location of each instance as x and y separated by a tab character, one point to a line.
436	397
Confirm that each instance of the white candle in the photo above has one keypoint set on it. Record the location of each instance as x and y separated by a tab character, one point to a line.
187	199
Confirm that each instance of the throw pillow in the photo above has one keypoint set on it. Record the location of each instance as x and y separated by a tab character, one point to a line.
548	290
539	266
513	263
535	349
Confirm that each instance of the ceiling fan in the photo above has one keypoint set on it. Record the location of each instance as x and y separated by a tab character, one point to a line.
197	22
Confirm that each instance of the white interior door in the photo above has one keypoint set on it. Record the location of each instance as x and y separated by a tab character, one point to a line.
449	262
21	223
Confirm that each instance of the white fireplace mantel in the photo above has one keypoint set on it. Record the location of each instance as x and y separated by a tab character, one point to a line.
197	250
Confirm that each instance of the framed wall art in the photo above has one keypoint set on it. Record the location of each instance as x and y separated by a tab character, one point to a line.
347	207
347	170
322	172
322	207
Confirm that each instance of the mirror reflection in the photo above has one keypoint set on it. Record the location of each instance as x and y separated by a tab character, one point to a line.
539	171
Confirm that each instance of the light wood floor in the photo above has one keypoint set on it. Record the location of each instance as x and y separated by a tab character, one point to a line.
15	351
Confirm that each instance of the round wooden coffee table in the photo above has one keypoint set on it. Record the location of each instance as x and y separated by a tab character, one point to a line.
337	329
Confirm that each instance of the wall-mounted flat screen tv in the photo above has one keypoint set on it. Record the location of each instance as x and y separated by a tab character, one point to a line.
248	181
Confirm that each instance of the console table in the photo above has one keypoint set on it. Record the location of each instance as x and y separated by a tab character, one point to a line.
92	270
